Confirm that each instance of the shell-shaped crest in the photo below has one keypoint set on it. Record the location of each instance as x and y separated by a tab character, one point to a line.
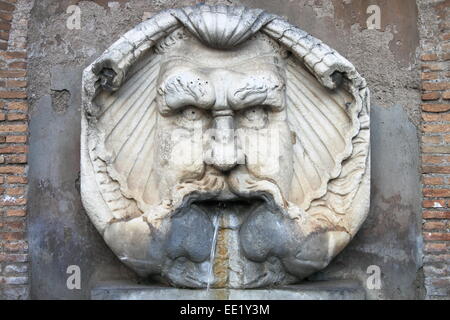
222	26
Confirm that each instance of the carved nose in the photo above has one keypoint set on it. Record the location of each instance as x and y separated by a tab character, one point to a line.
224	154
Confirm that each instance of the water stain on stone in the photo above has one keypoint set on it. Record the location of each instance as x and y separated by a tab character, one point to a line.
222	259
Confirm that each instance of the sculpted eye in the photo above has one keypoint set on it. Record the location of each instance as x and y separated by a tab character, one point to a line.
191	117
255	114
255	117
191	114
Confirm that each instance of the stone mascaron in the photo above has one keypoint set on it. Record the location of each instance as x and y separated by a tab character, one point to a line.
224	147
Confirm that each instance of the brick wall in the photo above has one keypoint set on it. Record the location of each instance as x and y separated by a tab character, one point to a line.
13	150
435	76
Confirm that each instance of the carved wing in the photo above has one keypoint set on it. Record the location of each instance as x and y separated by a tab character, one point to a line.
325	122
126	129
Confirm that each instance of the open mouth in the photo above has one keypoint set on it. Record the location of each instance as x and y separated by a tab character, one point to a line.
241	206
195	225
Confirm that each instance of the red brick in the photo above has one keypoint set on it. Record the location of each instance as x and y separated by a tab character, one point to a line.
436	214
434	86
434	203
433	67
447	138
11	236
13	55
21	105
16	180
434	225
15	191
436	127
16	128
432	139
16	246
17	158
431	96
5	26
23	65
4	35
16	139
426	180
436	107
429	57
426	75
14	149
13	95
14	225
16	213
12	73
437	193
17	117
433	117
435	247
17	65
6	6
436	149
13	202
12	169
16	83
436	169
446	95
6	16
435	159
436	236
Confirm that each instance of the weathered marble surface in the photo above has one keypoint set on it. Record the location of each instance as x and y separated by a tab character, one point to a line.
224	130
320	290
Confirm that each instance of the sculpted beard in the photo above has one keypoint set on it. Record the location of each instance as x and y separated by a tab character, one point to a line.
191	232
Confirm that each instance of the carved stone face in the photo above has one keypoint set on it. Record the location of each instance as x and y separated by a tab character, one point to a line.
222	115
218	158
223	112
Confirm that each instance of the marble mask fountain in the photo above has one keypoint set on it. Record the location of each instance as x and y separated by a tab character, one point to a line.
223	147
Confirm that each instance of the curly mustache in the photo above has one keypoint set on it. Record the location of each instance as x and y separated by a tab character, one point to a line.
239	183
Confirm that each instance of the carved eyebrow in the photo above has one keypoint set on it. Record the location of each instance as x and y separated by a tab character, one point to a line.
177	85
249	89
257	86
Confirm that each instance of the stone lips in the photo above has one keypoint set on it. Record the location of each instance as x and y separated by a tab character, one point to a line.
321	226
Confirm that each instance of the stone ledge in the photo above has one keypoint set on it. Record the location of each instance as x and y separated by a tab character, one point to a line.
321	290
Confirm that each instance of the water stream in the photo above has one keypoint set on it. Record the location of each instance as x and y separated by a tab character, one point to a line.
216	223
